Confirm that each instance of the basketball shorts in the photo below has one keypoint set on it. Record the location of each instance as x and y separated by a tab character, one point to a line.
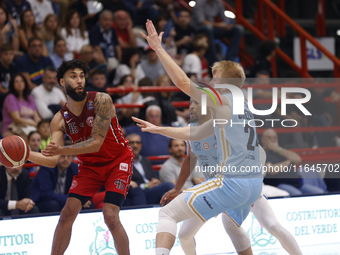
115	176
216	195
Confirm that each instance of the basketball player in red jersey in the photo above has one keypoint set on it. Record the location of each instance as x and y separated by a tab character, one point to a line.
89	119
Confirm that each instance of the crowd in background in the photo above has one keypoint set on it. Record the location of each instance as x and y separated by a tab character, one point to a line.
36	36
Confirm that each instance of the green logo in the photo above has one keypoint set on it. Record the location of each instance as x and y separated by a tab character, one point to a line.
103	243
259	235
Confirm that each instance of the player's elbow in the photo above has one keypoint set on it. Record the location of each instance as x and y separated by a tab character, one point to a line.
297	160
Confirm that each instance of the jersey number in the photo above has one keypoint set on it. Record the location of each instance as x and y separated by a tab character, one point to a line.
251	131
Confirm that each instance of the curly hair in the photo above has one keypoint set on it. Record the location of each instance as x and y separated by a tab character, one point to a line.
11	89
71	65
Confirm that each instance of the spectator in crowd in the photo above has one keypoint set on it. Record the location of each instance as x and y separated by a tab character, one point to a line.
143	174
9	31
50	31
184	32
28	30
124	114
98	81
44	129
48	98
59	52
7	70
16	7
75	34
321	115
90	19
208	17
267	51
282	159
34	142
114	5
172	167
94	58
40	9
153	115
152	66
15	192
33	63
129	65
123	25
51	185
103	37
192	64
19	113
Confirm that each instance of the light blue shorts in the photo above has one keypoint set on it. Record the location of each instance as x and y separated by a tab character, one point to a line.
216	195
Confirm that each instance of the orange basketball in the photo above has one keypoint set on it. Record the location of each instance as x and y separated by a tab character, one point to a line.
14	151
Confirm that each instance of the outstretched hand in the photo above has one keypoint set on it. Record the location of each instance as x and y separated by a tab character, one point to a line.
154	40
145	125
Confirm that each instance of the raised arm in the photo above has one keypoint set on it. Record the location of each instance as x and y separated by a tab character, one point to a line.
176	74
181	133
103	109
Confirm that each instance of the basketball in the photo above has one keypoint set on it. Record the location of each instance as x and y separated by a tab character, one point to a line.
14	151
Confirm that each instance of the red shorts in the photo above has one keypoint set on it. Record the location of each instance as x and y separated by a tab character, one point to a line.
115	175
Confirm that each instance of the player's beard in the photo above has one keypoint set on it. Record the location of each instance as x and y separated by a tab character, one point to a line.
193	118
72	93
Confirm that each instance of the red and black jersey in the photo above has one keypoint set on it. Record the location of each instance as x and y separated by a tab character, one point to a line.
79	129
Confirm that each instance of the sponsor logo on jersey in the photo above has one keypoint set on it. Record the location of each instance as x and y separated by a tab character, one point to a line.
207	202
81	124
66	114
197	146
90	105
123	166
206	146
74	184
89	121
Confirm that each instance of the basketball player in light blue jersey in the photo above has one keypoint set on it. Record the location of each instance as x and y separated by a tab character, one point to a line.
220	193
205	152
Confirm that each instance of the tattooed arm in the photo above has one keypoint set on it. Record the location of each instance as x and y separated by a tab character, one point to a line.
104	111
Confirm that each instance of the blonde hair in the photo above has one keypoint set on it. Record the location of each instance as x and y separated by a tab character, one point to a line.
231	71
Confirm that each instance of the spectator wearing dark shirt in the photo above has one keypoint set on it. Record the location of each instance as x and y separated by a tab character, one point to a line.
33	63
7	70
51	185
90	19
184	33
15	192
15	7
103	36
98	81
280	158
267	50
143	174
208	17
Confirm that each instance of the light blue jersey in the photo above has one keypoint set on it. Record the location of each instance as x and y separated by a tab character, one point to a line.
206	153
238	152
237	143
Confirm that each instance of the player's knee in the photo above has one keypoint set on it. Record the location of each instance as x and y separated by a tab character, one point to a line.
274	229
68	215
184	237
111	218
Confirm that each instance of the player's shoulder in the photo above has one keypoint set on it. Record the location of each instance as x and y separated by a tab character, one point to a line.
102	100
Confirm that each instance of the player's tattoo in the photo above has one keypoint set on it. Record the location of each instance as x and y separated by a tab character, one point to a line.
103	110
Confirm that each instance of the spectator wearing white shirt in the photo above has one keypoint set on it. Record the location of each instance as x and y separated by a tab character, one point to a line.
59	52
74	33
48	97
192	64
40	10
